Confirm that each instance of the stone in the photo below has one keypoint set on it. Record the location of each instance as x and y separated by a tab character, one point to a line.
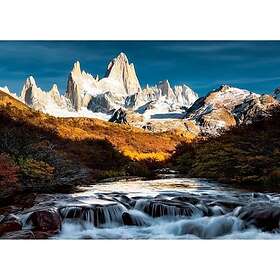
119	116
45	220
10	225
265	217
127	220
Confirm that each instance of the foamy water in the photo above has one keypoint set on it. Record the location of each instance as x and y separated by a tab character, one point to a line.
172	208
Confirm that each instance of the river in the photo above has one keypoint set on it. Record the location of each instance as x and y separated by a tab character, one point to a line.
167	208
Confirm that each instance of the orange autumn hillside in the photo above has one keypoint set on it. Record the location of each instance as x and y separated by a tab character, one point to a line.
127	139
48	152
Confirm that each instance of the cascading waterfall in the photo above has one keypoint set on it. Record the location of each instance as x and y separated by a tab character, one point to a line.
177	208
96	215
157	208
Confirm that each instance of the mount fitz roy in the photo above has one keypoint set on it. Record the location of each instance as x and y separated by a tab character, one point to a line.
119	97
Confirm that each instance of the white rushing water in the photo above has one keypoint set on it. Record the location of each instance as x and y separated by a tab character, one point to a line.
172	208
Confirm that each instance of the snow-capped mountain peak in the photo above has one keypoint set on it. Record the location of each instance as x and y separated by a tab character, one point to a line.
228	106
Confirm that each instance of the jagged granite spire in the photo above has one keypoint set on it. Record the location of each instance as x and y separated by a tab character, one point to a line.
119	69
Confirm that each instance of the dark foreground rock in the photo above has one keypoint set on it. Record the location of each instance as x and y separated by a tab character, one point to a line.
9	226
9	223
47	220
265	217
20	234
127	219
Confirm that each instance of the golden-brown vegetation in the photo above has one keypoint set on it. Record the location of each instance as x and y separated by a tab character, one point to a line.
50	152
247	155
123	137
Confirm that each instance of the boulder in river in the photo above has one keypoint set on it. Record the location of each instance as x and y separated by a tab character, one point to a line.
265	217
9	224
135	218
127	219
46	220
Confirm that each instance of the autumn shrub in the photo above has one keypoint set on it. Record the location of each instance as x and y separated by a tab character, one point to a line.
8	171
35	169
105	174
52	151
9	181
157	156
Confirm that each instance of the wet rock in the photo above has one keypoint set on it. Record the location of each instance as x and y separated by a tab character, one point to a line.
127	219
202	207
7	210
10	218
20	234
9	226
135	218
216	211
263	217
236	212
43	234
126	201
189	199
45	220
228	204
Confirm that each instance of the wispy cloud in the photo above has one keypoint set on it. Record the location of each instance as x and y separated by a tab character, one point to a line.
202	46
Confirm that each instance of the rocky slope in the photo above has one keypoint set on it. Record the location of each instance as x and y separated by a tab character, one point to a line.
225	107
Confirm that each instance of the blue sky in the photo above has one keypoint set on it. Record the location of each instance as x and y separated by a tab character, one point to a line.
203	65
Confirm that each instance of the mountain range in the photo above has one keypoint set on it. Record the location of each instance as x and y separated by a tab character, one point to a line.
155	108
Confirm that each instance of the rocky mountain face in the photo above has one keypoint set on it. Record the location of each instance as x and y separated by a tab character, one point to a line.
81	86
119	116
162	99
47	102
106	94
225	107
120	70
